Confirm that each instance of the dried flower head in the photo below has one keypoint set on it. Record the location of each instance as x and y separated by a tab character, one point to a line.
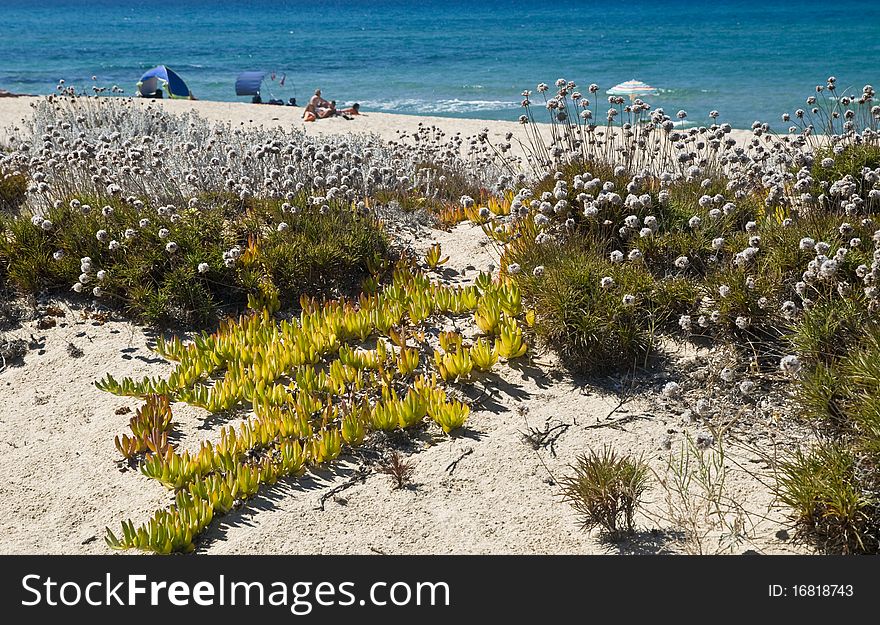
671	389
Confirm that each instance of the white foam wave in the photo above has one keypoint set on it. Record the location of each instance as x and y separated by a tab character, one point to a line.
455	105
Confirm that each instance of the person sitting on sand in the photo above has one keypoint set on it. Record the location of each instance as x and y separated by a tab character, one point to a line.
309	113
317	102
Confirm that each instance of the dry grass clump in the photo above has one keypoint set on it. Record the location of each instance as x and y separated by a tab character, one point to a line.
606	490
398	468
703	515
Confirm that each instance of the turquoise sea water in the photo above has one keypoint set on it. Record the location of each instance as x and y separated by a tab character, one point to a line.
749	59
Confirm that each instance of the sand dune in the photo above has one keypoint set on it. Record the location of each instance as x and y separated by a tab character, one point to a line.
62	482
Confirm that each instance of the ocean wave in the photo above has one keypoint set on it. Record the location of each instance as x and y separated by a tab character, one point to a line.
454	105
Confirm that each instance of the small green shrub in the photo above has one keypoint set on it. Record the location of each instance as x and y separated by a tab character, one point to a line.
670	298
323	252
848	162
588	324
834	501
820	397
606	490
781	255
683	204
13	189
861	369
829	329
844	386
311	251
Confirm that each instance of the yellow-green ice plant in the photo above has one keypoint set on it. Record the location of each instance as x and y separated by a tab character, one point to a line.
315	384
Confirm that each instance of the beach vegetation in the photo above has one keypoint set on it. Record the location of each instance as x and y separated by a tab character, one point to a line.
149	426
832	504
192	264
699	506
636	229
606	489
398	468
13	190
315	383
619	231
434	258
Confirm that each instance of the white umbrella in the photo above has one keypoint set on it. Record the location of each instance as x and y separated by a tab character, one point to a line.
632	88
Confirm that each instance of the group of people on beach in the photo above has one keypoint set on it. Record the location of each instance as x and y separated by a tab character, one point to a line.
319	108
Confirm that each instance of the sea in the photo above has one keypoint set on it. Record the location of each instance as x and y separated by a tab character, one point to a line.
748	59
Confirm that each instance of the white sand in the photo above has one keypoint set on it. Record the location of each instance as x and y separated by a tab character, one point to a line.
62	484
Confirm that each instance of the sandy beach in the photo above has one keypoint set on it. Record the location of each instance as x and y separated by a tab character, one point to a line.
15	110
388	126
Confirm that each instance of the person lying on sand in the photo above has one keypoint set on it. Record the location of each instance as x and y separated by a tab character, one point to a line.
332	111
328	111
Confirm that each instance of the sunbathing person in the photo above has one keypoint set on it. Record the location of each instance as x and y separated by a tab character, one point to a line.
309	114
328	111
354	109
317	102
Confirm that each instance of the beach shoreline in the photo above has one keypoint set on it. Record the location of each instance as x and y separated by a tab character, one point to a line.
387	126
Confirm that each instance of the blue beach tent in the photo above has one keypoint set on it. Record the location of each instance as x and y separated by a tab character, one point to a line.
154	81
249	83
